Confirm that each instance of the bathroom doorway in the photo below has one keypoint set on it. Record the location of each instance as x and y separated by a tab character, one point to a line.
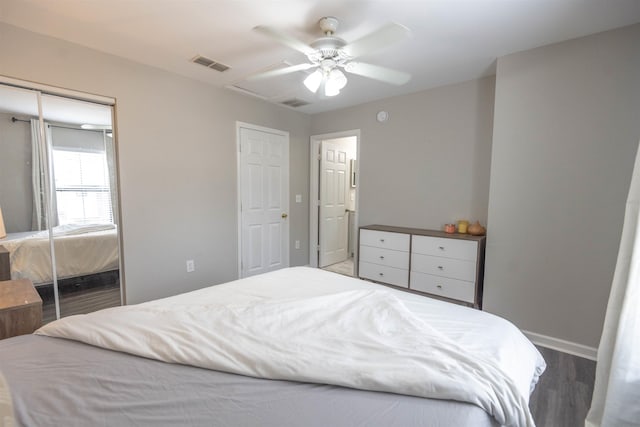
334	199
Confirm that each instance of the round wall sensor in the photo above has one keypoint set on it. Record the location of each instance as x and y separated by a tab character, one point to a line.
382	116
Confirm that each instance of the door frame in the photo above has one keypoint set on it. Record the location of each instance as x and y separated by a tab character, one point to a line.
284	134
314	189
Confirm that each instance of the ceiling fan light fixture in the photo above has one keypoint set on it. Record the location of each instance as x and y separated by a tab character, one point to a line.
338	78
330	89
335	81
313	81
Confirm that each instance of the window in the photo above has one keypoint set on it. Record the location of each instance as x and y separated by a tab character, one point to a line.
82	188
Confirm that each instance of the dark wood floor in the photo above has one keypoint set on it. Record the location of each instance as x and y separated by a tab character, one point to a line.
563	394
81	302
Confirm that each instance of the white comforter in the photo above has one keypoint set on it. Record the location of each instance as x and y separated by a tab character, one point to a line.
308	325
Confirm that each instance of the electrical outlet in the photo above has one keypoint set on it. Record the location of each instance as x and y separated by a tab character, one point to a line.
298	198
191	266
297	244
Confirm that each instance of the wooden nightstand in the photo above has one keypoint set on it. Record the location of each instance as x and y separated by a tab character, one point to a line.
20	308
5	268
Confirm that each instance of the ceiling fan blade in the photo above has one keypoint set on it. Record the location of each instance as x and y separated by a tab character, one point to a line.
280	71
285	39
377	72
383	37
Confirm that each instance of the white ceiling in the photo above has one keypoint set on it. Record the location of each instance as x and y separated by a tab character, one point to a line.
452	40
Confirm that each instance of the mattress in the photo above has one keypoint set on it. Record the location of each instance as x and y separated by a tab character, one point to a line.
80	384
57	382
80	250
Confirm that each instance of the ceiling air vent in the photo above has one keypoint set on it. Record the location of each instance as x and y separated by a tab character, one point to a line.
209	63
295	102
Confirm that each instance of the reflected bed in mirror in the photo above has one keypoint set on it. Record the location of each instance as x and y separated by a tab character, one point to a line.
86	262
81	249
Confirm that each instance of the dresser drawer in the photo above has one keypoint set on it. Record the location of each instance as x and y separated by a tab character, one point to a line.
450	248
446	267
385	239
443	286
388	257
381	273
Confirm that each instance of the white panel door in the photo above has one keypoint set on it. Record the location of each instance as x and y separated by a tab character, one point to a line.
264	201
333	204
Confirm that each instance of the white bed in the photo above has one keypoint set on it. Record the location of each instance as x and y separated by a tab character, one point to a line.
80	250
311	326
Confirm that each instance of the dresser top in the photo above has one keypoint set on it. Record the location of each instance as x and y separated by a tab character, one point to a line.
422	232
17	293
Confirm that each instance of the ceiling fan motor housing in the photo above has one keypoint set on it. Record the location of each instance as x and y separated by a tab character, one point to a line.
328	48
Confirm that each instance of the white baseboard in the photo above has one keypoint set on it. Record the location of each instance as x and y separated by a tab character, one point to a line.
562	345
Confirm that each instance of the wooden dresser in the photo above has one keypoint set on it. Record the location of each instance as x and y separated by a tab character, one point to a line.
448	266
20	308
5	266
384	256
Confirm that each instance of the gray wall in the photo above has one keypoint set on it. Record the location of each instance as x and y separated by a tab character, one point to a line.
567	124
15	174
177	149
429	163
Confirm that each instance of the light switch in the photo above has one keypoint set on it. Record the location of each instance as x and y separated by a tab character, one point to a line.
298	198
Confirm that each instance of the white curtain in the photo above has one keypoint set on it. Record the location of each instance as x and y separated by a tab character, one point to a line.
616	395
40	172
110	151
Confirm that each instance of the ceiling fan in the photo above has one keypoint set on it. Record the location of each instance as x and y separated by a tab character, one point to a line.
329	54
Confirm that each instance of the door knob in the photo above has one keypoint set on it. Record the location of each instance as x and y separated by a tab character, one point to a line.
284	215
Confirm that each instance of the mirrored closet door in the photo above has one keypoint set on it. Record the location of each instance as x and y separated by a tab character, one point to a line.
58	198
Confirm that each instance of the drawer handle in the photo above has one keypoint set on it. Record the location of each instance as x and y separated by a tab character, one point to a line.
382	240
439	286
440	267
382	274
441	248
381	257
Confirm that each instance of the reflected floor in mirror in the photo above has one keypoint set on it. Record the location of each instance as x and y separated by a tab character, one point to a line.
345	267
81	295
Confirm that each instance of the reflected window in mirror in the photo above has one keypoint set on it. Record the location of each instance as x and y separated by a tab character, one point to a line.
83	195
